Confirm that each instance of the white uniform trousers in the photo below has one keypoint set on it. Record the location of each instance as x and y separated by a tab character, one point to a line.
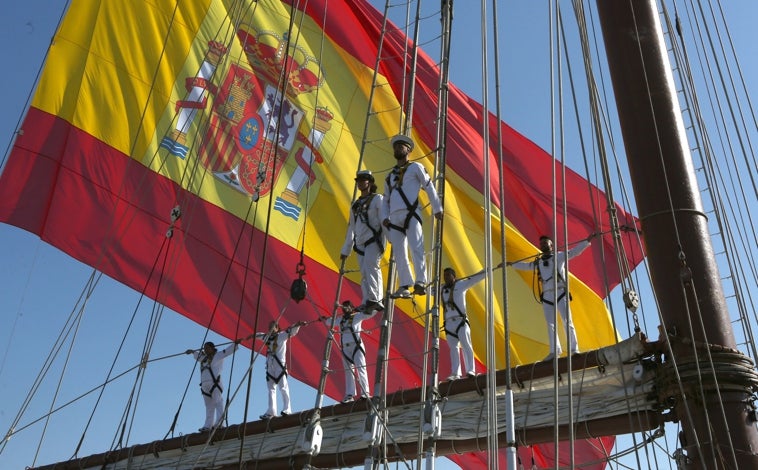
359	365
285	389
550	319
372	284
463	342
214	405
413	239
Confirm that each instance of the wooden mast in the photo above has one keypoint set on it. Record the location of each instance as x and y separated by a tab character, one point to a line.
682	264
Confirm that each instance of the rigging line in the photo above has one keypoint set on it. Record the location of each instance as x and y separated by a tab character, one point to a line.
621	260
736	175
83	395
717	111
156	315
237	21
560	45
746	94
280	94
688	284
491	401
656	132
74	317
724	228
27	102
246	377
729	75
60	383
712	174
511	441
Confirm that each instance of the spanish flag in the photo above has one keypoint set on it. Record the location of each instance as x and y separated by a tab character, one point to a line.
218	141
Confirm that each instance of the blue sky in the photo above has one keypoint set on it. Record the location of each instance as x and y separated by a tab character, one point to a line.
40	286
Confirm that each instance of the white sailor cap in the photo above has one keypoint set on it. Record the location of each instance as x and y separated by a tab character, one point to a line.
364	174
403	139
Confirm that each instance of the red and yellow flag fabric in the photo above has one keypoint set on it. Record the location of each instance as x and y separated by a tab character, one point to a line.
249	118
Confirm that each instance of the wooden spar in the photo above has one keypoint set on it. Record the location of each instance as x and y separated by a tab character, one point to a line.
682	264
224	448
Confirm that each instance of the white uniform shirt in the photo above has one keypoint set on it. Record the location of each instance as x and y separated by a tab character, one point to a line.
546	267
460	286
213	367
359	227
414	179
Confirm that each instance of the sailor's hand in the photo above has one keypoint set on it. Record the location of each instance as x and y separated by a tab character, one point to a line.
438	215
591	236
386	222
343	257
301	323
189	351
238	341
508	263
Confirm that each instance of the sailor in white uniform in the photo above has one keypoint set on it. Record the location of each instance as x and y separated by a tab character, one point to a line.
276	365
402	216
365	235
457	327
211	365
549	265
353	352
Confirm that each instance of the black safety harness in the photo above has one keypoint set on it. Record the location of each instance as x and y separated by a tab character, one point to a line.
545	258
272	345
360	212
346	324
398	172
205	364
450	304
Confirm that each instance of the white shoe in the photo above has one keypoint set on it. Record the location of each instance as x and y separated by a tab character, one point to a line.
471	374
454	377
401	293
347	399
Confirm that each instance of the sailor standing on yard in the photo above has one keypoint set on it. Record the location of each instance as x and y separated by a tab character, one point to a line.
457	327
211	364
365	236
276	365
402	216
549	265
353	353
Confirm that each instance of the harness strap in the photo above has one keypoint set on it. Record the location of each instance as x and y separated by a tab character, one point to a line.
411	207
450	303
360	211
276	378
545	301
216	380
346	324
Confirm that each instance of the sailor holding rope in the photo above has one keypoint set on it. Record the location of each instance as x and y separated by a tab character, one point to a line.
402	216
457	327
211	364
353	352
276	365
551	269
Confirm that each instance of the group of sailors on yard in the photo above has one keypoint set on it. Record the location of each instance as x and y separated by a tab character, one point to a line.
375	218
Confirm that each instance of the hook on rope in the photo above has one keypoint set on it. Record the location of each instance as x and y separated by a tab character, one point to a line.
299	287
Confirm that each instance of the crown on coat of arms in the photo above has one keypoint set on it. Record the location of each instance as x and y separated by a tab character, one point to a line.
215	52
269	54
